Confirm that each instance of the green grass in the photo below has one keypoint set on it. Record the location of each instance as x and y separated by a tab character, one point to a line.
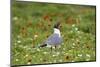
32	23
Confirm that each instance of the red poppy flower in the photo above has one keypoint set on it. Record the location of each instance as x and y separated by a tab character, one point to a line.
46	17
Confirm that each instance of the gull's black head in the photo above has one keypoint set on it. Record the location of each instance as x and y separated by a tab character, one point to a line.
57	25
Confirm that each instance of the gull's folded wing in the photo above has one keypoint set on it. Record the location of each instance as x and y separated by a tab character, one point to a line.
54	39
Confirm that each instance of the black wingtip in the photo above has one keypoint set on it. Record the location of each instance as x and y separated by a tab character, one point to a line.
44	45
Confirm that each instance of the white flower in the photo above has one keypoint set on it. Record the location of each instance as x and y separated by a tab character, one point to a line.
18	41
38	49
88	55
76	29
44	52
77	40
26	55
73	61
15	18
73	25
53	47
80	55
66	53
53	55
87	59
73	44
35	36
29	63
17	60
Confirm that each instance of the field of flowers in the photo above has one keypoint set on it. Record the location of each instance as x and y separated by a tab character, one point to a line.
32	23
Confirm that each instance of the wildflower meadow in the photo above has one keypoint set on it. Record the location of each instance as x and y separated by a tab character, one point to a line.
33	22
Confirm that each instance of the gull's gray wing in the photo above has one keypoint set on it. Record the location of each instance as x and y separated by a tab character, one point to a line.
54	39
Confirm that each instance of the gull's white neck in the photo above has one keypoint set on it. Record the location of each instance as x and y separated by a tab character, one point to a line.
57	31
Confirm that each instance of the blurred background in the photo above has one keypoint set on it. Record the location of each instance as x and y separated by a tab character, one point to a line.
33	22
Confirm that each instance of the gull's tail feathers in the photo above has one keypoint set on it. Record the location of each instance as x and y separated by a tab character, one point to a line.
43	45
40	46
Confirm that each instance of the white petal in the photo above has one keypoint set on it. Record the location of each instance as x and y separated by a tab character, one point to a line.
88	55
44	52
73	25
38	49
80	55
18	41
26	55
17	60
76	29
29	63
15	18
73	44
53	55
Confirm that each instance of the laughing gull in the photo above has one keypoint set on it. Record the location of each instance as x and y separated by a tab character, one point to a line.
55	39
